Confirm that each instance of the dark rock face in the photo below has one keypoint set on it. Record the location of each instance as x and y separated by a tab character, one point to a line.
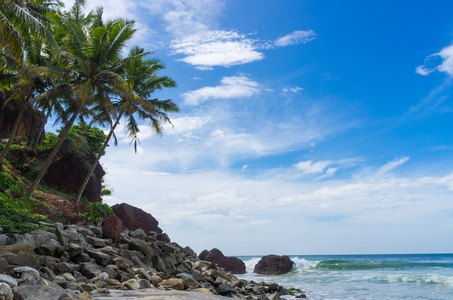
273	265
230	264
134	218
203	254
69	169
32	123
112	227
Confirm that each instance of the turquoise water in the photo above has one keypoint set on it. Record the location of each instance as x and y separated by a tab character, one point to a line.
328	277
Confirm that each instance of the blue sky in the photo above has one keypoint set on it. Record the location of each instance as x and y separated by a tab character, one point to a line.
306	127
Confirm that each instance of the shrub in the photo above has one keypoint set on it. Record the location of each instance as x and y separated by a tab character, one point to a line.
16	215
6	181
98	211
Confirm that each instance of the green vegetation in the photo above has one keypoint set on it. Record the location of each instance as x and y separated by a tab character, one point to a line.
98	211
16	214
93	136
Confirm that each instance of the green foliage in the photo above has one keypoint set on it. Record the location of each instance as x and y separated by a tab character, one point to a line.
17	215
94	136
6	181
50	140
106	192
98	211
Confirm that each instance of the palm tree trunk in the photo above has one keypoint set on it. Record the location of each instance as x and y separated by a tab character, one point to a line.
12	135
64	132
93	166
40	131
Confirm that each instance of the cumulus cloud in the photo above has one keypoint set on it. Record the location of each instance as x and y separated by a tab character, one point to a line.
230	87
296	37
216	48
432	64
308	167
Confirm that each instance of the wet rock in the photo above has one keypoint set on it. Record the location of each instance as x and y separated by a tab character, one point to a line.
274	265
131	284
225	289
231	264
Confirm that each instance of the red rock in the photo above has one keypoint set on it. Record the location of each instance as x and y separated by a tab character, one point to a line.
203	254
134	218
273	265
112	227
230	264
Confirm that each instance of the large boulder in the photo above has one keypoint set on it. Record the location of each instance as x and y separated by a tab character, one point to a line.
230	264
112	227
273	265
134	218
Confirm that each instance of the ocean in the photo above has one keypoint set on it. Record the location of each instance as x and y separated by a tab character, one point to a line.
393	276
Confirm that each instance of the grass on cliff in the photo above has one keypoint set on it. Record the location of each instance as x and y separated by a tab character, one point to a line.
16	214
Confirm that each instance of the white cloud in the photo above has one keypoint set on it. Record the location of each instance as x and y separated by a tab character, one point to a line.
230	87
296	37
432	64
308	167
392	165
293	89
216	48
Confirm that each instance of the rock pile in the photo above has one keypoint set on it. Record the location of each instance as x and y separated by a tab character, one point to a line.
74	262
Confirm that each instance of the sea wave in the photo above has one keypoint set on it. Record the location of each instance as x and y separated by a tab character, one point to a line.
368	265
433	279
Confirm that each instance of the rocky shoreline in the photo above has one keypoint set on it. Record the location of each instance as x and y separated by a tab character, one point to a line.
77	262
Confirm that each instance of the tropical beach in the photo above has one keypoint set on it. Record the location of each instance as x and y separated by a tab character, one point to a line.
203	149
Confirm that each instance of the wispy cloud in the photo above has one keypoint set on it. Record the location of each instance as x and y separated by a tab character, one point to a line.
295	37
230	87
391	165
293	89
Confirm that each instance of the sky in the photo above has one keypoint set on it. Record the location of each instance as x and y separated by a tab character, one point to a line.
305	127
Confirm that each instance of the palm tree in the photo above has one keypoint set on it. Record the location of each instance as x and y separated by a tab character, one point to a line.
23	91
142	80
92	53
20	20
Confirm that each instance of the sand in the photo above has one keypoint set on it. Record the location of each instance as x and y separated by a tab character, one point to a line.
157	294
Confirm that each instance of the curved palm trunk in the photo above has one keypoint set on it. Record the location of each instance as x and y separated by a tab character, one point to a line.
64	132
93	167
12	135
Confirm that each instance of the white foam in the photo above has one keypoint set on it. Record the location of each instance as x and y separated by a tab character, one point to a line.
417	279
302	263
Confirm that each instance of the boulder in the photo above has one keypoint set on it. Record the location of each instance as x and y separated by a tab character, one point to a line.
273	265
134	218
203	254
38	292
112	227
230	264
16	248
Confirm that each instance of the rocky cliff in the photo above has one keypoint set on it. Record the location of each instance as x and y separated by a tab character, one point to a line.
32	124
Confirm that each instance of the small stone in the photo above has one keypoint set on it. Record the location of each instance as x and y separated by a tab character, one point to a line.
131	284
27	270
10	281
155	280
172	283
5	292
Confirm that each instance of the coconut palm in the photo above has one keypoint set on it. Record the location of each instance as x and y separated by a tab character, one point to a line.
20	20
143	79
92	53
